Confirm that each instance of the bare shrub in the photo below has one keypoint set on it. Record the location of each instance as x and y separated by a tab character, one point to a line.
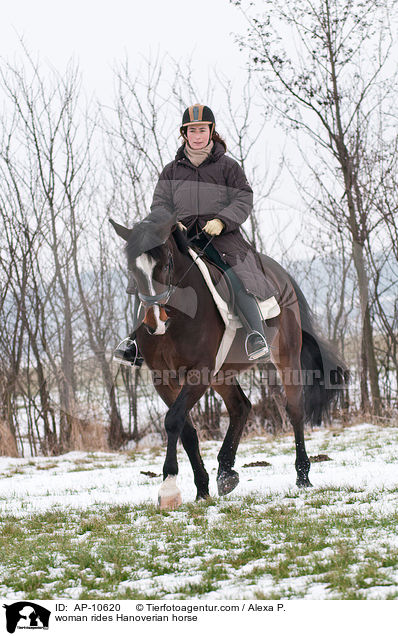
88	435
8	445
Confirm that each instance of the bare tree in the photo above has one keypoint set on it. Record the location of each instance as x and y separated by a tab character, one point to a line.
245	126
60	292
321	66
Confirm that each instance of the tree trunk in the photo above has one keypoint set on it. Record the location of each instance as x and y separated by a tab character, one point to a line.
116	435
368	351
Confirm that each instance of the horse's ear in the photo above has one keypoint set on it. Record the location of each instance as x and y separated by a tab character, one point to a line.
120	230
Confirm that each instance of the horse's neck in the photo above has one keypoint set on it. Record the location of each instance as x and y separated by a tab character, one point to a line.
184	267
188	273
181	263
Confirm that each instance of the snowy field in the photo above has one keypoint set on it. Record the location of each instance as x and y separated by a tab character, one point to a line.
86	524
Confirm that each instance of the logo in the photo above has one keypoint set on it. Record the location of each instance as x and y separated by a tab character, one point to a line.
26	615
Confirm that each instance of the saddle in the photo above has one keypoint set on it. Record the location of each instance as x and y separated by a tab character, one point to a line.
220	282
223	297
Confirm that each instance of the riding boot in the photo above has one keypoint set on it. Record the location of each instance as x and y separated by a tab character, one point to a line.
127	351
249	313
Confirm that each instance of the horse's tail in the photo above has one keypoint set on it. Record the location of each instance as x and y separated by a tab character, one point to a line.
324	373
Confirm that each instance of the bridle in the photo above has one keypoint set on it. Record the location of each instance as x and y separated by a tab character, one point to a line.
162	299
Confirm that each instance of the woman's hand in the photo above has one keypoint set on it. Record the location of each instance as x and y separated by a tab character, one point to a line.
214	227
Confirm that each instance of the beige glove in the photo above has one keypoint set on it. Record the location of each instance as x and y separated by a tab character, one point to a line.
181	226
214	227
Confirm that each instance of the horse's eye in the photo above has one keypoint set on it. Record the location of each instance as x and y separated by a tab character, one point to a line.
165	268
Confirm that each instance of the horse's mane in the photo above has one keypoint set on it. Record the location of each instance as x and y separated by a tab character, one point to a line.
145	239
181	240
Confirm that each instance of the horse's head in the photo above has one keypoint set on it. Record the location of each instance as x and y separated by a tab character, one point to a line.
150	266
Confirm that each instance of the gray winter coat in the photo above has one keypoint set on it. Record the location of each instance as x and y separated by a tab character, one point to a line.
218	188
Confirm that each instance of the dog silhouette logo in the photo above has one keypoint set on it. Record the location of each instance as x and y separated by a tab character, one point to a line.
26	615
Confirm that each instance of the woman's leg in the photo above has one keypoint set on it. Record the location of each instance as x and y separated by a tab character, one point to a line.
249	313
127	351
247	309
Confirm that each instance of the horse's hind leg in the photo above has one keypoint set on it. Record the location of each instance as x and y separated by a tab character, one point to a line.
289	367
286	346
238	406
295	409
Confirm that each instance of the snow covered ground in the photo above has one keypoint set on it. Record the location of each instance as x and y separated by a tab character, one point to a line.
270	550
363	456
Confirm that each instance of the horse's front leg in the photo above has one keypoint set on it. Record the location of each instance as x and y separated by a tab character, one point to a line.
190	442
169	494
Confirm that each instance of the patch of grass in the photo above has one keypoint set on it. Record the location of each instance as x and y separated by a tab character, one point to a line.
46	466
270	546
248	540
17	470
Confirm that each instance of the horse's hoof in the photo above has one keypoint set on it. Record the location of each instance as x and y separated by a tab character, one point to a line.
203	496
304	483
226	482
169	497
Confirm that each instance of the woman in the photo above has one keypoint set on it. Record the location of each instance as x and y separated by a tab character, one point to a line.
211	194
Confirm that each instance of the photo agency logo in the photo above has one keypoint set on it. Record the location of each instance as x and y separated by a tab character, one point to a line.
26	615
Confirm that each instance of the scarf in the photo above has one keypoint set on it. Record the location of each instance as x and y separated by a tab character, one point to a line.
196	157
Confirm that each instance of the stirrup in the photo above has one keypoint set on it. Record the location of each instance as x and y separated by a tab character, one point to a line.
127	354
263	352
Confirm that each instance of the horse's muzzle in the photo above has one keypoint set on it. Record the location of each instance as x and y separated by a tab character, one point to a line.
156	324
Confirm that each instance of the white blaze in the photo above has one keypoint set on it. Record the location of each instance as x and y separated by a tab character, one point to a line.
146	264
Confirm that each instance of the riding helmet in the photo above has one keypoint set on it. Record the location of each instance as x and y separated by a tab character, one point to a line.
197	114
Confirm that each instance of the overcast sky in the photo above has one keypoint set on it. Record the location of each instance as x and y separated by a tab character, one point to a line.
97	34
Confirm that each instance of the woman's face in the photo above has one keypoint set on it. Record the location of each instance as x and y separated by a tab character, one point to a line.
198	136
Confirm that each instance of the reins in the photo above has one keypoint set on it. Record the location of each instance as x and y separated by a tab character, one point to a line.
200	253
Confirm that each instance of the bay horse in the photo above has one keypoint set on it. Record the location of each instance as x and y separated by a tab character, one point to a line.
179	340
